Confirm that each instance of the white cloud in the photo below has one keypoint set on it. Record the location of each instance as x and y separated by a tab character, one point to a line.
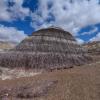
11	34
18	11
96	38
4	14
79	41
11	13
70	16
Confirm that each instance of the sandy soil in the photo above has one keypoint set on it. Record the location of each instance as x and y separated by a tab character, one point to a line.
78	83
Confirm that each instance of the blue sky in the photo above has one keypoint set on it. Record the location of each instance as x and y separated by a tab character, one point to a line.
19	18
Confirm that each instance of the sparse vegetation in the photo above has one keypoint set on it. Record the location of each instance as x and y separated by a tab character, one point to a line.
79	83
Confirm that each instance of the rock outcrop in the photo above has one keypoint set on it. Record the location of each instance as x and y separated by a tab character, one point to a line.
51	48
93	48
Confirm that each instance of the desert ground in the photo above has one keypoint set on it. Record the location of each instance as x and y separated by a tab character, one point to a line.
78	83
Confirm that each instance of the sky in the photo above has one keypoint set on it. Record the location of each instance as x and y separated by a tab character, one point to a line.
19	18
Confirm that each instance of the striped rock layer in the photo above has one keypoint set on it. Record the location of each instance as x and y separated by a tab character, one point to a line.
50	48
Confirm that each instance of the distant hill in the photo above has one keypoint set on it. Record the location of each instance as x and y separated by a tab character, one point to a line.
6	45
93	47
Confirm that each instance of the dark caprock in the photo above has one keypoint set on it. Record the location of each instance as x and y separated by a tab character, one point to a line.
50	48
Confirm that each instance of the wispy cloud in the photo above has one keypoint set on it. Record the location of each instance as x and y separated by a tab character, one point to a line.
95	29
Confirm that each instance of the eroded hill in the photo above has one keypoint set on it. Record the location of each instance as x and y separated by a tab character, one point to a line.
6	45
93	47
